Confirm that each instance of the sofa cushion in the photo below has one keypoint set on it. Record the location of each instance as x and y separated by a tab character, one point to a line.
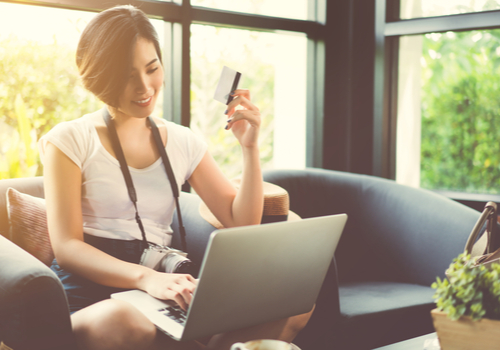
28	221
388	311
29	185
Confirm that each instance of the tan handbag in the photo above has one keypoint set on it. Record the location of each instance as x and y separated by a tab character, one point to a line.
487	248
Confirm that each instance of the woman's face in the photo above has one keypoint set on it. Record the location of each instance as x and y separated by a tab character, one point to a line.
145	82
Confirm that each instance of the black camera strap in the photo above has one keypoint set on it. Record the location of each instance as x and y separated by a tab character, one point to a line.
171	177
115	142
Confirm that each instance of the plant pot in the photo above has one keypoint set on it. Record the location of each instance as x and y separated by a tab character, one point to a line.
466	334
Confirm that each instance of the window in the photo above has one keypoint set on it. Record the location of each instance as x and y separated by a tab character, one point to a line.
446	104
448	90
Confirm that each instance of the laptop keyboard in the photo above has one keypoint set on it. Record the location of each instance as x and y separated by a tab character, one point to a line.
175	313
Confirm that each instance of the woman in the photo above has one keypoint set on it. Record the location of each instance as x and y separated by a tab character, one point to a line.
119	60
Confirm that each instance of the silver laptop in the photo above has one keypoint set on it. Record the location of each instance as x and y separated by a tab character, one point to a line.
250	275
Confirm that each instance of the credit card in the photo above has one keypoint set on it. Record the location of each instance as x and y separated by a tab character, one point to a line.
229	80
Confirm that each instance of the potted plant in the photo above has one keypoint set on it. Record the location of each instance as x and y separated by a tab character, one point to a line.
468	306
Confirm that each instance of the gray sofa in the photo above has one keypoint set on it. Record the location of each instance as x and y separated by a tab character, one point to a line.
397	240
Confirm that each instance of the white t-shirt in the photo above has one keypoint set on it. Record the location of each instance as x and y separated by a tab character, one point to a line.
107	209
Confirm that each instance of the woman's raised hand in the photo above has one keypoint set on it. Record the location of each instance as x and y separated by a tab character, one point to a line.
171	286
244	121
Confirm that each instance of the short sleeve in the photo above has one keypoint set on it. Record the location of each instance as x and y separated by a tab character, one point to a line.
70	137
197	149
187	149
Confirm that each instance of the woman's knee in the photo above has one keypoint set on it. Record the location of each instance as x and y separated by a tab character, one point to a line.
298	322
112	324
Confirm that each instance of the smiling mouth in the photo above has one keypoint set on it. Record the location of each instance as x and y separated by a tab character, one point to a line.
141	102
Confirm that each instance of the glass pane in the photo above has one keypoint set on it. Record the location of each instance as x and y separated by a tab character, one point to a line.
273	67
430	8
295	9
448	135
39	83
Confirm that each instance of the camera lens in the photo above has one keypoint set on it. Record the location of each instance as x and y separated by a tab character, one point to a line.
186	266
177	263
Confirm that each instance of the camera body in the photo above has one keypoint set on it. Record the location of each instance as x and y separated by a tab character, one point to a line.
166	259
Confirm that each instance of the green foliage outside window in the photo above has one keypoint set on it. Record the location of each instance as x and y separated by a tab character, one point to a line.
39	88
461	112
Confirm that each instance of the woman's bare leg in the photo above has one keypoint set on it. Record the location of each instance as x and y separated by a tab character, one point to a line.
114	324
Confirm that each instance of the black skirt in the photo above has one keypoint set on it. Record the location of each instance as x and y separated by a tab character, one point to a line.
82	292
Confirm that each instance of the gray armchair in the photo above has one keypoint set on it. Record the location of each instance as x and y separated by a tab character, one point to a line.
396	241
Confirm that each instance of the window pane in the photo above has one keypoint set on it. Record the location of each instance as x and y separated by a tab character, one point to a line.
295	9
273	67
448	113
430	8
39	83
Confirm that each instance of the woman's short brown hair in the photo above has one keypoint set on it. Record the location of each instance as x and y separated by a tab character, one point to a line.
105	49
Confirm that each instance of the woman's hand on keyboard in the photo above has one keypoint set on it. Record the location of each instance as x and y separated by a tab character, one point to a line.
171	286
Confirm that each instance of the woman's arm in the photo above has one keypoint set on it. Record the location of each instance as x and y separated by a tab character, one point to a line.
63	182
231	207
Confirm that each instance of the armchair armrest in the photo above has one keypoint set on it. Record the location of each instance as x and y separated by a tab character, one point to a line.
33	305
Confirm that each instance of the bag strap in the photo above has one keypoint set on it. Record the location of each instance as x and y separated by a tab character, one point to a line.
115	142
484	243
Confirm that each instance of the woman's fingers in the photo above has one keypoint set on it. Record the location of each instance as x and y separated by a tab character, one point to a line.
242	92
249	112
181	298
183	291
176	287
240	100
244	118
253	117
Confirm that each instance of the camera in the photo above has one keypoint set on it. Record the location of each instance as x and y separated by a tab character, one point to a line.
167	259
